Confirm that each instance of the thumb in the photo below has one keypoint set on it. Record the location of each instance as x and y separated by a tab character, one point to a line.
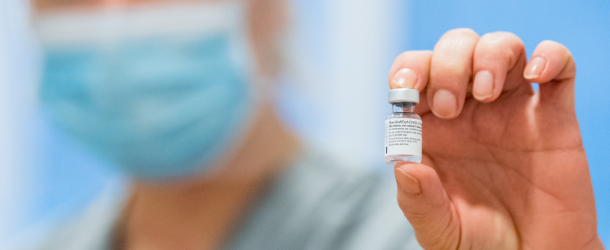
425	203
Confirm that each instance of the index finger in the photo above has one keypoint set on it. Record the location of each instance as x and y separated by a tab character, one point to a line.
410	70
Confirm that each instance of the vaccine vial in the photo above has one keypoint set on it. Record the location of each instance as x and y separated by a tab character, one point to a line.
403	128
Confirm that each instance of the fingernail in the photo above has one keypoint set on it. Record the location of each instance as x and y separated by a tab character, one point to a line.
534	68
407	182
483	86
405	78
444	104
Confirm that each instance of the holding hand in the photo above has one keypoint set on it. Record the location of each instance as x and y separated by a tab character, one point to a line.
503	167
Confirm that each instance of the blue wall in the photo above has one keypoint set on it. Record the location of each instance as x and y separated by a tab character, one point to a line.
583	26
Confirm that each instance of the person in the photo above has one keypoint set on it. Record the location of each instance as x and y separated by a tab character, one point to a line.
177	95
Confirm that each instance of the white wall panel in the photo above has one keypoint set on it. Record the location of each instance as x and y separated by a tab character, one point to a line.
344	51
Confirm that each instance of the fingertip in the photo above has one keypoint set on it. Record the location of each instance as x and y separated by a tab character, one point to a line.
556	78
535	68
444	104
407	182
404	78
550	61
483	86
410	70
420	173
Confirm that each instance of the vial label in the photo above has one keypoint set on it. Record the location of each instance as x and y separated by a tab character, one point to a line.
403	136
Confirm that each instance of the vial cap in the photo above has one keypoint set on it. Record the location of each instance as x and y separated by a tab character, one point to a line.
403	95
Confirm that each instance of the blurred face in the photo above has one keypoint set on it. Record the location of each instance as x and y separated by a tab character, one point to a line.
164	89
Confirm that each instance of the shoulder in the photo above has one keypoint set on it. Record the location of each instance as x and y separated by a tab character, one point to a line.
319	203
89	229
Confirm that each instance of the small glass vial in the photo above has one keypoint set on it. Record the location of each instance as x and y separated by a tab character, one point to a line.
403	128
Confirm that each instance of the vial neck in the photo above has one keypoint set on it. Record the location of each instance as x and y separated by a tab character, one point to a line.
403	107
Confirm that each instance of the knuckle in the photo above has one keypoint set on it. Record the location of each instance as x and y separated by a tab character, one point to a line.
423	53
495	54
501	38
415	60
551	43
560	52
412	55
555	46
499	46
450	68
463	32
404	55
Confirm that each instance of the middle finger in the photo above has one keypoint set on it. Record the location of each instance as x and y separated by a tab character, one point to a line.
450	72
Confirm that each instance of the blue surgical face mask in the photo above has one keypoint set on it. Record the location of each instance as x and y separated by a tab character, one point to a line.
161	91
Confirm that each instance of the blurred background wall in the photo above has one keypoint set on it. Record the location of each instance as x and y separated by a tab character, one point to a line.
15	103
9	178
333	93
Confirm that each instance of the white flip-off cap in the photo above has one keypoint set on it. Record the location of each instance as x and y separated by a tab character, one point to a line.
403	95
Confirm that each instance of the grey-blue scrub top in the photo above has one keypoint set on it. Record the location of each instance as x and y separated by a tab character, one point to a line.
316	204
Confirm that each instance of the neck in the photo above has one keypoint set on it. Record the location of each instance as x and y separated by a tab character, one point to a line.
199	214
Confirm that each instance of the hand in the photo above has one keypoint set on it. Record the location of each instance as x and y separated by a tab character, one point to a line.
503	167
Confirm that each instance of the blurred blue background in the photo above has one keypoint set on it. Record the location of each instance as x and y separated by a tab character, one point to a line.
582	26
336	45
